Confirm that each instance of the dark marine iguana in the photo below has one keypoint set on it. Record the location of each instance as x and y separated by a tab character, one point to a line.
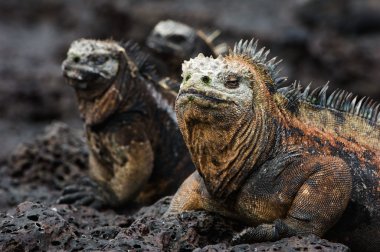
136	150
173	42
286	161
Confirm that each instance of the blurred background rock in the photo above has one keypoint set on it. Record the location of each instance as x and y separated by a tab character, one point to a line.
319	40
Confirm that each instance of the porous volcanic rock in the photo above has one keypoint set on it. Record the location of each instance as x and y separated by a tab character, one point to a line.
309	243
35	227
53	158
38	169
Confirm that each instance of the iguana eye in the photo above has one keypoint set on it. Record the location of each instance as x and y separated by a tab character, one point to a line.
232	82
99	59
102	59
178	39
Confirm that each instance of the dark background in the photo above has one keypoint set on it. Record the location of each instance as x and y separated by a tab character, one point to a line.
319	40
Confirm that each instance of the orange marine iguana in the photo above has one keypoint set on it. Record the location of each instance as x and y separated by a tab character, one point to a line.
136	149
286	161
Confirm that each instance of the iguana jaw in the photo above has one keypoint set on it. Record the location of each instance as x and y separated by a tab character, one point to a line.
88	83
80	76
203	98
205	107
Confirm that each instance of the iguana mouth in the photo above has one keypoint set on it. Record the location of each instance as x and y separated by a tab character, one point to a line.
78	77
210	96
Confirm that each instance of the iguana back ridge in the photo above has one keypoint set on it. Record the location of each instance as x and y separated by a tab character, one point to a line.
340	100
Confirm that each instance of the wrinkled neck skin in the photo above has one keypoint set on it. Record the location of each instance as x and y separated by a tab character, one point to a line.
225	154
97	110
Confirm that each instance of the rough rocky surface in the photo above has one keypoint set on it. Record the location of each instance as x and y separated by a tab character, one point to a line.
37	170
31	221
55	157
296	243
35	227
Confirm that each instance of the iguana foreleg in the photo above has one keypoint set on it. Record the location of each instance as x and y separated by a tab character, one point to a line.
132	167
192	195
317	205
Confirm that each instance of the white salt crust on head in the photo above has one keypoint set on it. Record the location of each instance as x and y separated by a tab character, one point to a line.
89	46
170	27
84	48
212	67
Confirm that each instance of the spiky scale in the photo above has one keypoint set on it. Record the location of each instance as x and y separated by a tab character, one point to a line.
237	47
250	46
358	106
336	97
277	63
254	48
375	113
312	97
370	109
366	108
339	99
280	80
265	56
277	72
347	102
322	95
353	104
306	92
245	45
271	63
259	53
331	98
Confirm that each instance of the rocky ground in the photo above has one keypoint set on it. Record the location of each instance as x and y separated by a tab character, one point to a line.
37	171
336	40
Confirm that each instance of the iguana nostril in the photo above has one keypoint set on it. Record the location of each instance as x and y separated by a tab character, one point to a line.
76	59
206	80
157	35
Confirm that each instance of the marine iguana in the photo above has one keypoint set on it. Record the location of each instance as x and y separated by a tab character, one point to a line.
174	42
286	161
136	149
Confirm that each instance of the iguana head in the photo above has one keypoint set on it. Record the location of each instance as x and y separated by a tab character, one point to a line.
173	38
178	42
91	66
101	73
221	103
226	87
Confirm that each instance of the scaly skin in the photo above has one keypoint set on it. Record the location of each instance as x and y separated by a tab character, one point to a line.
136	150
285	161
